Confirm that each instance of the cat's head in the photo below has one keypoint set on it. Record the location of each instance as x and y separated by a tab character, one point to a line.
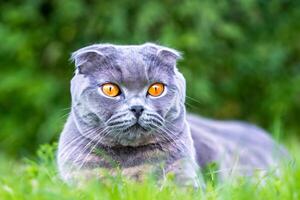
127	95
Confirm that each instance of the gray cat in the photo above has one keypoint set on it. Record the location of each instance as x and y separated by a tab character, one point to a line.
128	112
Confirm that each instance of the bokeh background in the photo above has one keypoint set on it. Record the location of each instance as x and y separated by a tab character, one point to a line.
241	59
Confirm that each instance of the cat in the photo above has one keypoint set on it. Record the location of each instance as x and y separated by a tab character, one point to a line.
128	112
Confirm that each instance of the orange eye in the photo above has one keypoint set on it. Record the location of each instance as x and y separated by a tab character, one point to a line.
110	89
156	89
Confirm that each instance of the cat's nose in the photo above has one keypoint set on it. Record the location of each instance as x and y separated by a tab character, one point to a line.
137	110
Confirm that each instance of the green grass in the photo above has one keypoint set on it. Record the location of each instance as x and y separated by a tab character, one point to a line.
28	179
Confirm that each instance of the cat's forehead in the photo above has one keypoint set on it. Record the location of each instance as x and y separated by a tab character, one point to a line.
134	56
135	64
128	63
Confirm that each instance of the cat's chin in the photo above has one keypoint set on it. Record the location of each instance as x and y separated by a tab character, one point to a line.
135	135
136	143
137	128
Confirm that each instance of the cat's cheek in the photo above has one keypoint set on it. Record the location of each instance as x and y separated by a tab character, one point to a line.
165	103
173	111
104	108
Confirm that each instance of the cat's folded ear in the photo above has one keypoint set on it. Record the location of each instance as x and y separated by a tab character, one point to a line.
164	54
88	58
169	55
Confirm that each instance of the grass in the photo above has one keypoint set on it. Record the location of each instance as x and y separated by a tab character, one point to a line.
38	179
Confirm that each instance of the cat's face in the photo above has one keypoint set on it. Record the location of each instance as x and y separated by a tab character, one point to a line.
127	95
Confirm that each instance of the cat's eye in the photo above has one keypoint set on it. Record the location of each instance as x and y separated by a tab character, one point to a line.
110	89
156	89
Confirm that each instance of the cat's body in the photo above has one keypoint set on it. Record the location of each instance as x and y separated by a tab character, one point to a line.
238	148
138	132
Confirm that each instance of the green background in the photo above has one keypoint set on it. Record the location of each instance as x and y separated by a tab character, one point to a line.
241	59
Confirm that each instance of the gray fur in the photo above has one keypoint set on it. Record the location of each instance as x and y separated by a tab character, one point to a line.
165	134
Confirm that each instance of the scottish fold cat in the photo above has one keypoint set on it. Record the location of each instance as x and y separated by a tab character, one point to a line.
128	112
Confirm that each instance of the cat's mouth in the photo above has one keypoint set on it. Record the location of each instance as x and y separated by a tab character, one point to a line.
136	127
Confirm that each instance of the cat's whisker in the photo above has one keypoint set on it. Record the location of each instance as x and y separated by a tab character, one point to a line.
168	137
72	150
178	145
191	106
95	145
64	116
176	137
65	149
91	150
155	116
64	112
79	155
67	108
171	124
193	99
117	116
121	125
93	131
96	137
173	142
87	134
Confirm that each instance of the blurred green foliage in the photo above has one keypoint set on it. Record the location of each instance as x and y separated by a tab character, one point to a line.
241	58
